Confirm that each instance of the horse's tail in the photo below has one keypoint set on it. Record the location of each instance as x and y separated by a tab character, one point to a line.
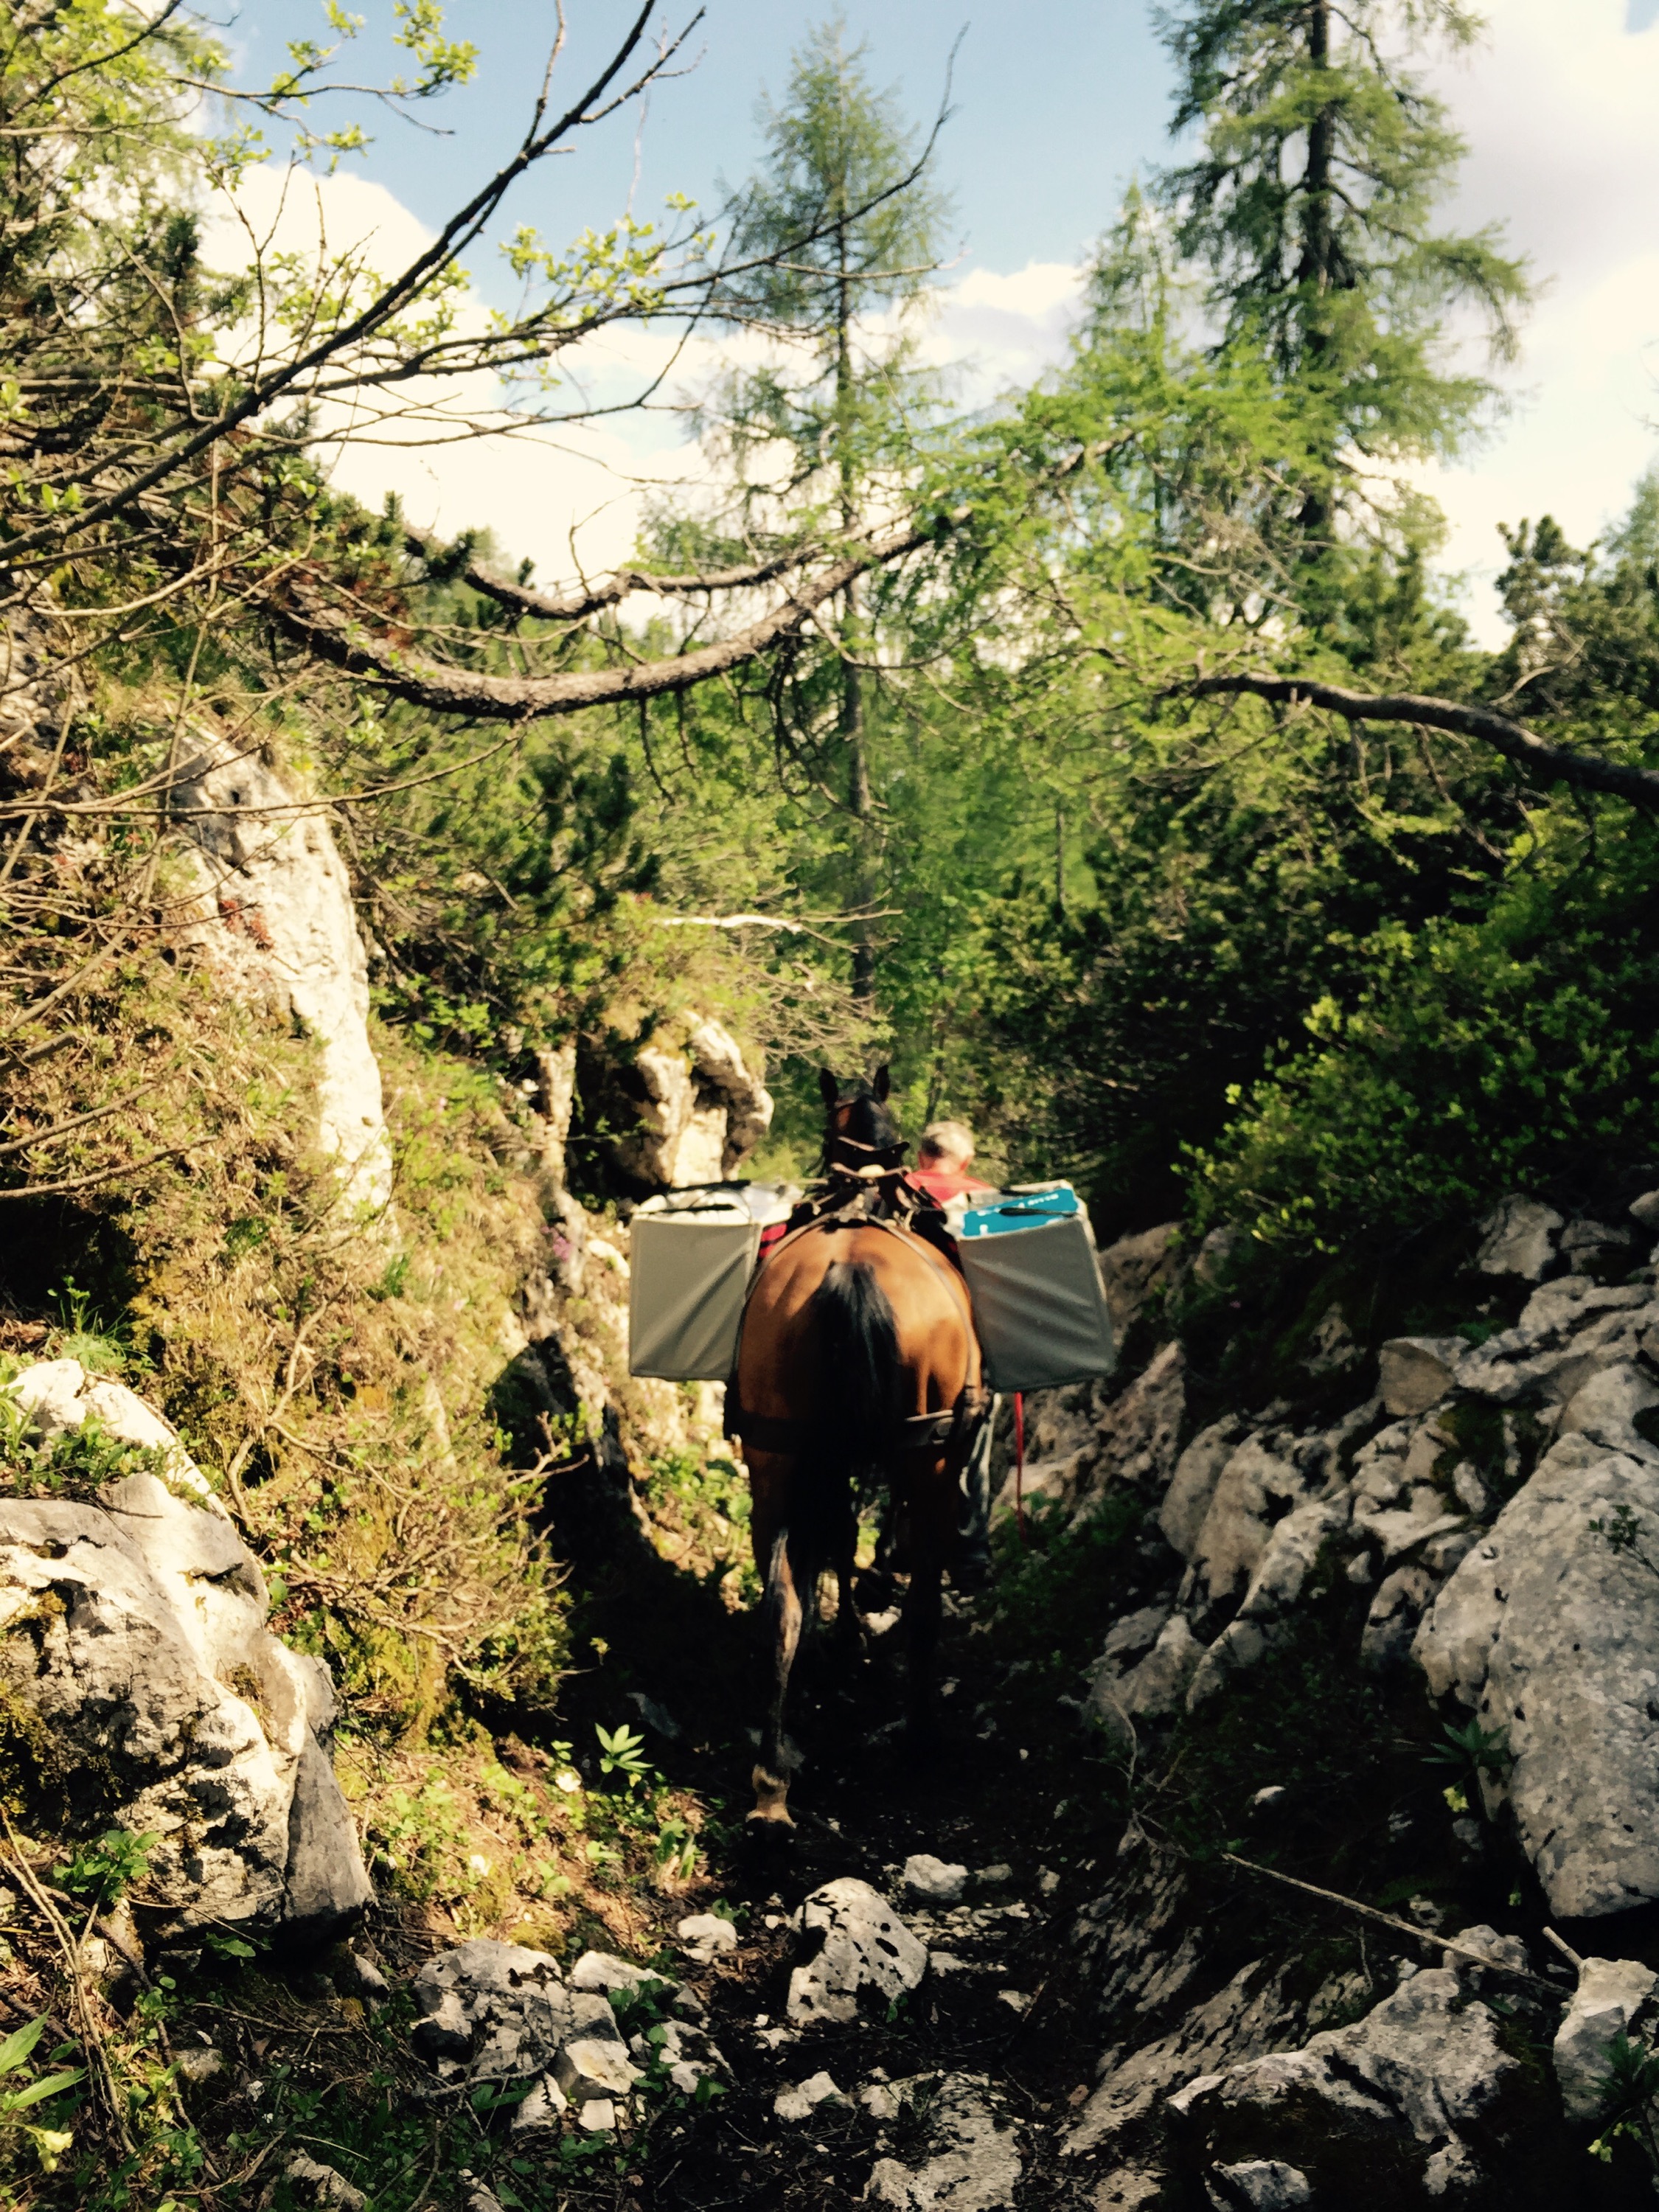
858	1342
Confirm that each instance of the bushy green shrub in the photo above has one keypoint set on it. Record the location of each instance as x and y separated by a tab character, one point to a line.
1514	1052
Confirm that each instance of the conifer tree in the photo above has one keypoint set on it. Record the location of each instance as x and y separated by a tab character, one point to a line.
1312	206
841	169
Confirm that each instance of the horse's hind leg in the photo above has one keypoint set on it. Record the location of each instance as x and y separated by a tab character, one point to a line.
933	1503
783	1622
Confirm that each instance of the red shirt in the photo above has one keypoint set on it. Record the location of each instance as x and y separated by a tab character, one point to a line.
945	1182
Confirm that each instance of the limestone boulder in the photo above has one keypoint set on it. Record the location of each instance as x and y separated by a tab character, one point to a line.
133	1635
1612	1997
1519	1238
1192	1485
1418	2101
969	2161
500	2011
854	1942
1550	1635
1414	1372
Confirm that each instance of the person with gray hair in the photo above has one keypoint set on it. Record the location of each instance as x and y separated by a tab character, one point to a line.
943	1157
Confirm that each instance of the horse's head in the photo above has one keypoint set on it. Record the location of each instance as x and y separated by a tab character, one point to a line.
859	1131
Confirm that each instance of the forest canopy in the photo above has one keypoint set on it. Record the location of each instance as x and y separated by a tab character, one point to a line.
1111	758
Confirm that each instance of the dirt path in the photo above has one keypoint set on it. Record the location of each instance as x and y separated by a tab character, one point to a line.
991	2041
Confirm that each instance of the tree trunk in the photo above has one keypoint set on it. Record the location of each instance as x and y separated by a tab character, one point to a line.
851	675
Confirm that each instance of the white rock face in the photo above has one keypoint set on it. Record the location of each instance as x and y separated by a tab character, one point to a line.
1259	1481
1611	1992
702	1113
800	2104
284	929
1519	1238
1260	2184
1547	1633
971	2163
135	1628
860	1944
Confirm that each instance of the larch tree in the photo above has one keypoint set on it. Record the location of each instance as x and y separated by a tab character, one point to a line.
827	420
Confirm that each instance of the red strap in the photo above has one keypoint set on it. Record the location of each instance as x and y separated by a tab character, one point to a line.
1019	1462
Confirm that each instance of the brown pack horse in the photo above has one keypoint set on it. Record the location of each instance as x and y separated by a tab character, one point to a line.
858	1356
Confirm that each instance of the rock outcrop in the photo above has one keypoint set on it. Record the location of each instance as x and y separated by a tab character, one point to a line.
145	1690
280	927
702	1110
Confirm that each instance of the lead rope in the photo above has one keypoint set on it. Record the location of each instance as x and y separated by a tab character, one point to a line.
1019	1463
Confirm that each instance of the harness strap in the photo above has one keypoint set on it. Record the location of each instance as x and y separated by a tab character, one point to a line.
915	1432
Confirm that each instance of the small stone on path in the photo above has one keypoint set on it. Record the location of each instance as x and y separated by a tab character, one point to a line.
799	2104
937	1881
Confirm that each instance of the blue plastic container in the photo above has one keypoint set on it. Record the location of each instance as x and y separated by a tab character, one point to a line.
1020	1209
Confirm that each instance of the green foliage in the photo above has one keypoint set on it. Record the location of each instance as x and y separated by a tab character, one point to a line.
1476	1057
1627	2093
16	2098
623	1752
1471	1752
74	1463
103	1870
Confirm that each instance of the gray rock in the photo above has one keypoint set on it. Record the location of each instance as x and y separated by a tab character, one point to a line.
327	1883
855	1942
597	2116
706	1935
259	862
540	2112
1604	1408
603	1970
1423	2078
1569	1329
1192	1487
970	2161
1588	1245
1137	1435
1548	1634
1519	1239
1257	2185
1158	1686
933	1880
1252	1492
1414	1372
475	2198
1392	1622
197	2066
800	2104
1132	1268
703	1109
591	2067
1610	1995
171	1708
357	1976
1645	1211
498	2009
321	2186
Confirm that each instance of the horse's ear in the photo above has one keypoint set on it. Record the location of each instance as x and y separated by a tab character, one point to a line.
883	1083
829	1086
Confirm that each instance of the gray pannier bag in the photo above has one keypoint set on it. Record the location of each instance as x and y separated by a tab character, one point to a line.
1028	1256
692	1253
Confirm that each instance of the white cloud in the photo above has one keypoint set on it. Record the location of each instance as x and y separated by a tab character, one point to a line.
1558	109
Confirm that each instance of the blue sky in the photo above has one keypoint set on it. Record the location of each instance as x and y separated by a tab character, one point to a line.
1056	102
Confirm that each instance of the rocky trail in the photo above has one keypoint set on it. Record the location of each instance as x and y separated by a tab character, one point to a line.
1289	1841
